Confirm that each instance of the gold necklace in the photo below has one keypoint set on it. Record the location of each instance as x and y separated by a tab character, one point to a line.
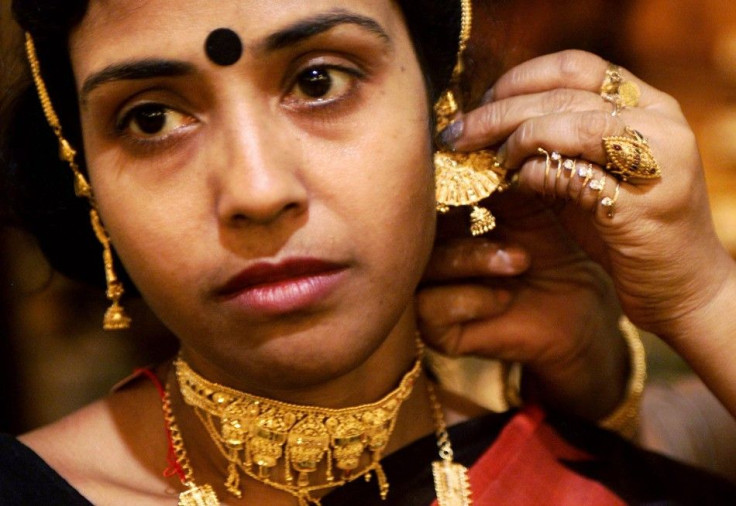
283	445
450	478
451	483
194	495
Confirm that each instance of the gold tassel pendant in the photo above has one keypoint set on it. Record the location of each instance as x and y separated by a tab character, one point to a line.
451	483
203	495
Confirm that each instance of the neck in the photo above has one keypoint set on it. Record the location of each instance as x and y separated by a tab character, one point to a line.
325	371
374	379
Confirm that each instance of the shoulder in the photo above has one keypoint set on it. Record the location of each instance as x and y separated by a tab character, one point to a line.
25	478
114	449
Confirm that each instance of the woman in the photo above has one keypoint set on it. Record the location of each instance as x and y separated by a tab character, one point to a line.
240	159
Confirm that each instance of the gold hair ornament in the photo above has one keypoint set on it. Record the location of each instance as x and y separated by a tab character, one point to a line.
464	179
115	317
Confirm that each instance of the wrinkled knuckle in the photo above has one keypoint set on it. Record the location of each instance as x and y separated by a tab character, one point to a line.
559	100
572	63
491	116
670	102
591	129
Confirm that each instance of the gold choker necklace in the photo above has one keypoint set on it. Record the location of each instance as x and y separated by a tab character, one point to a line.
283	445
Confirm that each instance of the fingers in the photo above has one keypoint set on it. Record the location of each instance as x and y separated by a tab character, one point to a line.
587	184
560	83
493	122
443	312
577	134
571	69
469	258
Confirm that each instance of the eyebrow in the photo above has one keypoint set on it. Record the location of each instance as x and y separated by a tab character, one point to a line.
309	27
286	37
139	69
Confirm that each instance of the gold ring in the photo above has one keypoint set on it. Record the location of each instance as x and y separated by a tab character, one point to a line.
598	185
610	202
618	91
630	157
586	173
569	165
549	157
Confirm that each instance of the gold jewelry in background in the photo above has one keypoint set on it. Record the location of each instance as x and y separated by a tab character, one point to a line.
115	317
625	418
293	448
464	179
630	157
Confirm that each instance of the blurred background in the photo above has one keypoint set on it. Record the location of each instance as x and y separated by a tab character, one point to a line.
54	356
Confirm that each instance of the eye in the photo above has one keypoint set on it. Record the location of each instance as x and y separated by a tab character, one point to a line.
323	84
152	121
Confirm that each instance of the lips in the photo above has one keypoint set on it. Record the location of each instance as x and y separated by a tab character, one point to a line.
270	289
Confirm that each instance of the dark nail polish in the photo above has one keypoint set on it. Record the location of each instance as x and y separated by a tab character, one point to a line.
488	96
452	133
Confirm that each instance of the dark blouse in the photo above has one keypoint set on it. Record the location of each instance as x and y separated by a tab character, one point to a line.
628	473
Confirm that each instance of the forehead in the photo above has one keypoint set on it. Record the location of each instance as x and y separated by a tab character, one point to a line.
175	28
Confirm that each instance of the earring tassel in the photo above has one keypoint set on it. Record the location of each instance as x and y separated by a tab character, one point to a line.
115	318
481	221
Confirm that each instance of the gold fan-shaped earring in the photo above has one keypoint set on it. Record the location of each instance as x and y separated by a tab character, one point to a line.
464	179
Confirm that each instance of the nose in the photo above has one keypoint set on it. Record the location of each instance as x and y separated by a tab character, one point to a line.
258	177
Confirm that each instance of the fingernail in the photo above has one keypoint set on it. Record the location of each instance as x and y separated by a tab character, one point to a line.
452	133
488	96
501	155
508	261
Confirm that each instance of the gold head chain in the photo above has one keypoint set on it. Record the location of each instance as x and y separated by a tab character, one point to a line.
115	317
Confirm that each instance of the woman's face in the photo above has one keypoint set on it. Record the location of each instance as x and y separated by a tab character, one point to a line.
275	211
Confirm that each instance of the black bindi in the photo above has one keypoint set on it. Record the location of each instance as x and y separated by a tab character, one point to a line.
223	47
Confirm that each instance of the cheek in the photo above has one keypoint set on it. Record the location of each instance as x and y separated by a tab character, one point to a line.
157	235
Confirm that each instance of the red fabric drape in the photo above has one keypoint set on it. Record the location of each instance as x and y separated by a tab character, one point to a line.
522	468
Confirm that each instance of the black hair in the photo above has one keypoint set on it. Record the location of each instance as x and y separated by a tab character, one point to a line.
37	187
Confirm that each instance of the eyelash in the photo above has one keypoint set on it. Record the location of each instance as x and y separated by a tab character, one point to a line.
350	78
353	76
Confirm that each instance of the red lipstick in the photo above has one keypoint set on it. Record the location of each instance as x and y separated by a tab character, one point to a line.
271	289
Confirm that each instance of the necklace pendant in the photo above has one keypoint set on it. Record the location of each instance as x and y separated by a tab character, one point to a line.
198	496
451	483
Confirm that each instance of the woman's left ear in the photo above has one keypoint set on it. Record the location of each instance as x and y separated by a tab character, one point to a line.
464	179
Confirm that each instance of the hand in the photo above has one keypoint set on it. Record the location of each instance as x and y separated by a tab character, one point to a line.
529	295
659	246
